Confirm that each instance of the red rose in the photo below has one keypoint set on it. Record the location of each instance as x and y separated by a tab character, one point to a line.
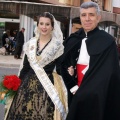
11	82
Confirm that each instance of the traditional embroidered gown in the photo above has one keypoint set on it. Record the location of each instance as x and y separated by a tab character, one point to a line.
32	102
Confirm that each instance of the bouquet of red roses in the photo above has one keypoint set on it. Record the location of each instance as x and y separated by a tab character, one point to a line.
8	87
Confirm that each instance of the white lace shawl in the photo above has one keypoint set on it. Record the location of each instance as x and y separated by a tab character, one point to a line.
52	51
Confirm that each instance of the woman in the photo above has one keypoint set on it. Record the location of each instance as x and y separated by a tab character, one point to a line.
42	94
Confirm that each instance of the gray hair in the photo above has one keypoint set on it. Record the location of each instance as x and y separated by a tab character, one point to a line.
90	4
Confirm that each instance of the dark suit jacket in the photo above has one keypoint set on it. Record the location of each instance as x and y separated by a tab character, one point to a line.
20	39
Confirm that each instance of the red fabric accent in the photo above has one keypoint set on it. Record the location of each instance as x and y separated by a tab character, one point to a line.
80	75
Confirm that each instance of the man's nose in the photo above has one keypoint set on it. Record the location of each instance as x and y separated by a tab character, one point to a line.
87	17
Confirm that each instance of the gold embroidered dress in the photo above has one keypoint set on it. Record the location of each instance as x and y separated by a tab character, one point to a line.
32	102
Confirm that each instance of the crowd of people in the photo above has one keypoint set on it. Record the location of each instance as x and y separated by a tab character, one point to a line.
13	43
75	79
8	41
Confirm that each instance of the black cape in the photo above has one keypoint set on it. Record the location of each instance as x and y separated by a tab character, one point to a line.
98	97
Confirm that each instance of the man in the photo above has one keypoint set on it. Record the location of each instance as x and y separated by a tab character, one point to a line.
5	35
6	42
95	82
19	44
14	39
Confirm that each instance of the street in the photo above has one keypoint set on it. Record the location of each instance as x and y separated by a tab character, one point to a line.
5	71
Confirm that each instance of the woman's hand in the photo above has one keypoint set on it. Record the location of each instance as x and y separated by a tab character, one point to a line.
71	70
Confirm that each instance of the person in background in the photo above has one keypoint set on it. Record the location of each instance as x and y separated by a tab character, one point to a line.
5	35
7	42
91	71
42	94
14	40
19	44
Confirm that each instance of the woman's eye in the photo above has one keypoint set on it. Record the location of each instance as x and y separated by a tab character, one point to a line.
41	23
47	24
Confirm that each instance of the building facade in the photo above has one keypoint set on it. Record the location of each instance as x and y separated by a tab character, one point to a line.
65	11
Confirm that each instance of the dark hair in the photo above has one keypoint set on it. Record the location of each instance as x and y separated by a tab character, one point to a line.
7	31
23	28
47	15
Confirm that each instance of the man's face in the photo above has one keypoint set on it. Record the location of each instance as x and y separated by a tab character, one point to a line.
89	18
23	30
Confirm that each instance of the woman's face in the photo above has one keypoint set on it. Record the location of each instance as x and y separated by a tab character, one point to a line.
45	26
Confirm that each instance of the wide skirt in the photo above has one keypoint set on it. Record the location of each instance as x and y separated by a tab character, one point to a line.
31	102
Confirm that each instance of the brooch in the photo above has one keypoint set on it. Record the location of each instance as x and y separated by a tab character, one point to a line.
32	47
